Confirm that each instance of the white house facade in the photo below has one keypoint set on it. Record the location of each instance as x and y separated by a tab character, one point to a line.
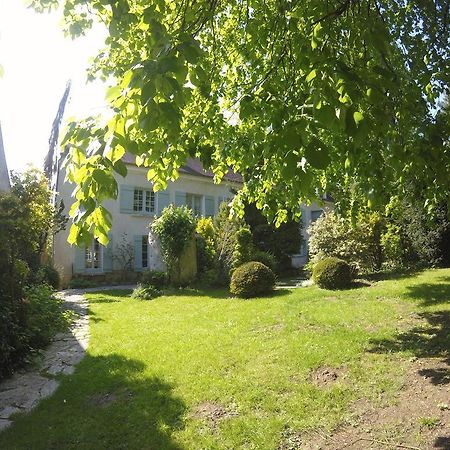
133	212
135	209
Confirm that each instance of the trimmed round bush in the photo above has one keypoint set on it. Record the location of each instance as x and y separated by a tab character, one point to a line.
252	279
332	273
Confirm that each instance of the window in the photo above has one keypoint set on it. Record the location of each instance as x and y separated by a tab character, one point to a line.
194	202
145	252
143	201
92	258
315	215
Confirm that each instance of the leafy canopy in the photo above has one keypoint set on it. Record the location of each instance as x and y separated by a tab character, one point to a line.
300	97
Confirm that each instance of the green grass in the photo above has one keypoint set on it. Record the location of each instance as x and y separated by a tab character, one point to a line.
155	361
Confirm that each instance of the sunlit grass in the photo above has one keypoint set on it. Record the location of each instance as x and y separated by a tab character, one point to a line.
151	364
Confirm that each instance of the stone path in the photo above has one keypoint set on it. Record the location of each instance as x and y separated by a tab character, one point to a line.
23	391
293	283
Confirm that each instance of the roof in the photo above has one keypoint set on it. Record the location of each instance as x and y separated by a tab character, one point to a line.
193	167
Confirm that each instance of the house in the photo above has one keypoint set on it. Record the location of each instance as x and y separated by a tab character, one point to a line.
4	175
135	208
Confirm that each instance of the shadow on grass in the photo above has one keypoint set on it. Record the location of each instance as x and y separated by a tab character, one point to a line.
430	340
430	294
392	275
108	403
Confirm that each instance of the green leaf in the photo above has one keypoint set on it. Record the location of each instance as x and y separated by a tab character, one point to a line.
348	163
311	76
191	51
148	92
246	108
292	137
73	234
112	93
316	153
121	168
358	116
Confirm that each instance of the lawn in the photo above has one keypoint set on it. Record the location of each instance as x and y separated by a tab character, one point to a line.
199	370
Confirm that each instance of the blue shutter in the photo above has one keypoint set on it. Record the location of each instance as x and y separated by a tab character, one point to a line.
163	200
138	252
126	199
108	255
209	206
180	199
79	263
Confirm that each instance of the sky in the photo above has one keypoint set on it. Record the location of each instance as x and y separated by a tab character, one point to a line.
38	60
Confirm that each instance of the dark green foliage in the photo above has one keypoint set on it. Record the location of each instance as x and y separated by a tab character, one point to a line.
205	258
44	315
414	238
265	258
28	324
211	278
49	275
281	242
80	283
243	247
252	279
29	315
226	229
146	292
332	273
155	278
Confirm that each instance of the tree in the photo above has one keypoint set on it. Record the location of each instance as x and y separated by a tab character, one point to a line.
300	97
36	218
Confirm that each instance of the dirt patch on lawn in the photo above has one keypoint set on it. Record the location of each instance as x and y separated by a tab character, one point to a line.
102	400
419	418
213	413
326	376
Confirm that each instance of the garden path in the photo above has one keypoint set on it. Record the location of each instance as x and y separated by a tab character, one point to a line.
23	391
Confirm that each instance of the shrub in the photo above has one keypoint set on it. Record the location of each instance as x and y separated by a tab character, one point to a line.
358	244
265	258
243	247
211	278
81	283
49	275
226	229
145	292
44	315
206	245
174	229
155	278
332	273
252	279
